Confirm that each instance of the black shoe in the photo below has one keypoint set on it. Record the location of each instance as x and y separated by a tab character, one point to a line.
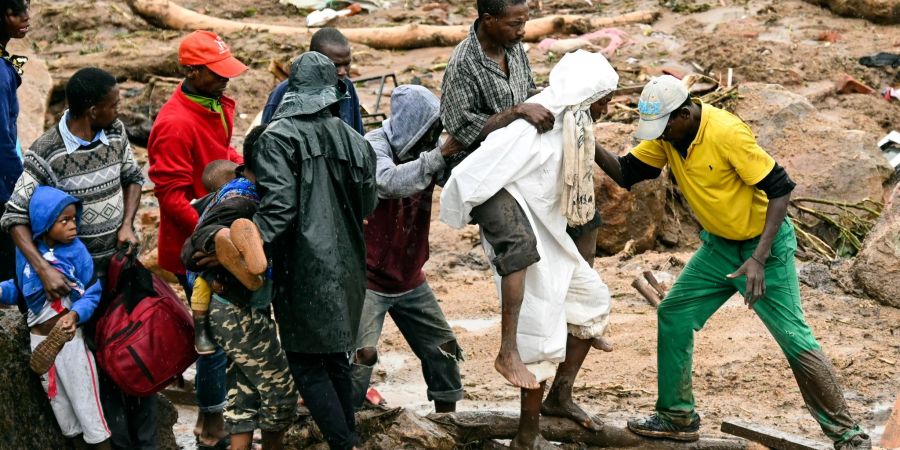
859	442
657	427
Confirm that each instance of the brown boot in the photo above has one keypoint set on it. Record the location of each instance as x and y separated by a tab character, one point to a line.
44	354
234	262
203	342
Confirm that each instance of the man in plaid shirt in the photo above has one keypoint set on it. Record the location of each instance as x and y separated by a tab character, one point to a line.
486	82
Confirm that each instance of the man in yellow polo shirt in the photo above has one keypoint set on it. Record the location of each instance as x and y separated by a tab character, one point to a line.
740	196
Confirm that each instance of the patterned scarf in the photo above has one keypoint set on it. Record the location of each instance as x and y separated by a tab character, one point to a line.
578	162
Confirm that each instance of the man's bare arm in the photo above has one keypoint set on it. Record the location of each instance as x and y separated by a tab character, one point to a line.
609	163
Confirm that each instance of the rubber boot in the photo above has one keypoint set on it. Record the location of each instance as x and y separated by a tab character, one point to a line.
203	342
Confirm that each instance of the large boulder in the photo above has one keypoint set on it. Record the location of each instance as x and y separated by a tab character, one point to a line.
878	11
33	94
824	154
635	215
26	420
877	266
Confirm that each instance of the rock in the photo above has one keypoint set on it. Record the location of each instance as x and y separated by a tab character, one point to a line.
877	266
22	399
167	416
849	85
822	153
627	215
817	276
891	436
33	94
769	109
878	11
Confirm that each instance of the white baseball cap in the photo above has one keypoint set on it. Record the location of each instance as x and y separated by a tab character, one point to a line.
660	97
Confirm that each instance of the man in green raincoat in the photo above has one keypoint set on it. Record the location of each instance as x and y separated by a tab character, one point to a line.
316	179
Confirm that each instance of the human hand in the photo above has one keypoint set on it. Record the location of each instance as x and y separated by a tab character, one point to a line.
68	322
451	147
217	287
127	238
55	284
755	271
204	259
537	115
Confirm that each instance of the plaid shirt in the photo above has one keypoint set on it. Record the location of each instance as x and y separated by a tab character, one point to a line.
475	88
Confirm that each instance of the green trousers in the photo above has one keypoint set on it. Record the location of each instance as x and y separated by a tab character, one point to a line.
702	288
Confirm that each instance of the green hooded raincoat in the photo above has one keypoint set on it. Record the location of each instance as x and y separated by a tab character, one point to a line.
316	178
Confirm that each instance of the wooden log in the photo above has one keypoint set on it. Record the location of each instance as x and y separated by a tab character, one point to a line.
168	14
474	426
769	437
643	287
648	275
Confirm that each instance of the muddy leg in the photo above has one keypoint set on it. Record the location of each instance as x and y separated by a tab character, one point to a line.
508	361
586	242
529	434
272	440
559	401
241	441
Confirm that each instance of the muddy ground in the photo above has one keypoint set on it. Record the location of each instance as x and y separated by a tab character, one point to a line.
738	369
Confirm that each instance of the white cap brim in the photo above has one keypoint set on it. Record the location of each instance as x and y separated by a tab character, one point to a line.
648	130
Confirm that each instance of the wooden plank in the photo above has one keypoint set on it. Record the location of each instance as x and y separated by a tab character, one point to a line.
770	437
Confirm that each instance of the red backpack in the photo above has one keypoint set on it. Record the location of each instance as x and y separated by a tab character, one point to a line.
145	338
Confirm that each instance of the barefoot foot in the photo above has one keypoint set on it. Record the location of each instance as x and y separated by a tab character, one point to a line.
601	343
510	365
554	407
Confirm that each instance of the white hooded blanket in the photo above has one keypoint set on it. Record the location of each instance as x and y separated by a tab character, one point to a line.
561	289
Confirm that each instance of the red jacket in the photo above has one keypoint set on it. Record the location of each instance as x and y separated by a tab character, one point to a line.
185	138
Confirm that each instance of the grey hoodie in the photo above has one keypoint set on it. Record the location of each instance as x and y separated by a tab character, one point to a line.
414	110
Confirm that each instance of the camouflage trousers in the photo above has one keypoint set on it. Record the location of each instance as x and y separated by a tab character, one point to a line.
261	391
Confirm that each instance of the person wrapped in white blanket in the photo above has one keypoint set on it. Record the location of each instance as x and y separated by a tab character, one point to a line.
566	305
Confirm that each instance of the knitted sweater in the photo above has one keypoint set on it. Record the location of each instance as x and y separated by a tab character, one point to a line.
95	174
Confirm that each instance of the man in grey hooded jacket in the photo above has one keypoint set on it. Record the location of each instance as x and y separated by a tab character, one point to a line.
409	159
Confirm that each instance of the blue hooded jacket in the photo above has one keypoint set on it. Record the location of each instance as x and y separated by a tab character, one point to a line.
72	260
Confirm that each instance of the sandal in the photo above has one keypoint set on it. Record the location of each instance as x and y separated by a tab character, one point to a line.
44	354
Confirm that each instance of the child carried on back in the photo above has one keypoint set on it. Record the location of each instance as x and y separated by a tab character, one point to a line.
59	354
231	307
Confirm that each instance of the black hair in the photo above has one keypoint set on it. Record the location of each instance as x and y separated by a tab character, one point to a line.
327	37
249	143
16	6
687	102
217	173
88	87
496	8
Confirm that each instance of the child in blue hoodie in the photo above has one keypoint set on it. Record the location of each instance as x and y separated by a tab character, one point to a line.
59	354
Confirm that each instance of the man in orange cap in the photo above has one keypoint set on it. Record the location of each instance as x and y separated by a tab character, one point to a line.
193	129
